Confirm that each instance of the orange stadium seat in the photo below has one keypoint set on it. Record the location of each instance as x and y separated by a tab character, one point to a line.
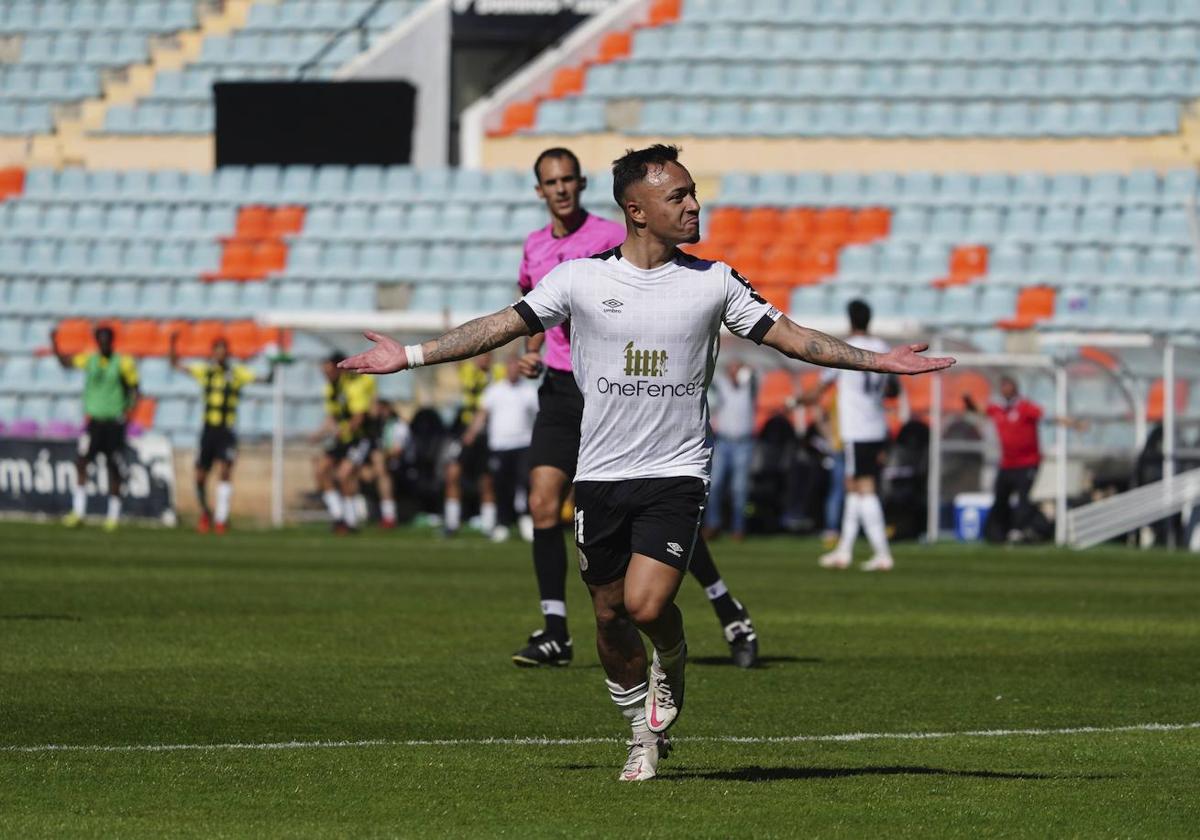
967	262
270	256
74	335
143	412
144	338
818	262
665	11
870	223
237	261
567	81
197	339
253	222
1035	303
798	224
245	338
783	266
12	181
725	224
518	116
286	220
1156	400
833	225
614	46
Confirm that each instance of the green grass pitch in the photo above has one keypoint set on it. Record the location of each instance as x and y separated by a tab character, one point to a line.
148	637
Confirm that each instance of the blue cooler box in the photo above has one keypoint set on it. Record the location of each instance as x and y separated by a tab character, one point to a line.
970	513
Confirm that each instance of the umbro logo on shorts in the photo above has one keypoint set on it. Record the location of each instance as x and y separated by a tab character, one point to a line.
675	549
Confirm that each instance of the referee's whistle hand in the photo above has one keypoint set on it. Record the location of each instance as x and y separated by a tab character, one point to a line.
387	356
906	359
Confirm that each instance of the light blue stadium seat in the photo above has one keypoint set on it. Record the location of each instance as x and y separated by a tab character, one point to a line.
289	295
910	223
254	297
154	298
948	224
1179	186
1098	223
1152	309
1083	262
427	297
1074	306
1161	264
1172	226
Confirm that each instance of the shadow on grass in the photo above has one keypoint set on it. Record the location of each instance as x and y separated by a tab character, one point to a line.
763	661
38	617
755	773
724	661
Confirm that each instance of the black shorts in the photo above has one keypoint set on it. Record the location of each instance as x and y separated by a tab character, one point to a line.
556	429
864	458
474	458
658	517
216	444
103	437
356	451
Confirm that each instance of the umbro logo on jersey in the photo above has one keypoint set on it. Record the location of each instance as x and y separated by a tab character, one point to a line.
645	362
613	305
675	549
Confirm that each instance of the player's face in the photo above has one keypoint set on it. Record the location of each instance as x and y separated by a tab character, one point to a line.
330	370
220	352
104	341
559	185
1008	388
666	203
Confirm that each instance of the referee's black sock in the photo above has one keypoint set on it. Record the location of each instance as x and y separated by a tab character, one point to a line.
705	571
550	566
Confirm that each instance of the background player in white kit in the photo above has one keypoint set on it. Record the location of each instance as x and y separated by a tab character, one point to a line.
862	423
507	410
645	329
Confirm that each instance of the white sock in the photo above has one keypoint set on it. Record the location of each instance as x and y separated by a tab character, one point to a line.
387	508
79	501
871	512
224	495
360	507
114	508
452	513
333	504
716	590
631	702
349	511
487	517
849	523
554	608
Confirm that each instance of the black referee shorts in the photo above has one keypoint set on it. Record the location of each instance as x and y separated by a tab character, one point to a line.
657	517
103	437
556	430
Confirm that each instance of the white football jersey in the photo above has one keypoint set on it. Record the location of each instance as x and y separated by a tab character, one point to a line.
644	346
861	417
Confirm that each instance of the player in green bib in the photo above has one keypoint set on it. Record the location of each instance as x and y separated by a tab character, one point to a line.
110	392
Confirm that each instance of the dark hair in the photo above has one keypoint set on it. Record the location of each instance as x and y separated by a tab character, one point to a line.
860	314
555	152
335	358
632	166
220	340
104	331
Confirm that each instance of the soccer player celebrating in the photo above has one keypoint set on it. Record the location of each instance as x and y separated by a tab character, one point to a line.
110	392
645	328
573	233
862	424
348	399
222	384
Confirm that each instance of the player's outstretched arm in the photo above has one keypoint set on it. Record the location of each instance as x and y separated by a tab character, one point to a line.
470	339
817	348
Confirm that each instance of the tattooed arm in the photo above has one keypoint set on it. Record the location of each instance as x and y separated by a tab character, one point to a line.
817	348
471	339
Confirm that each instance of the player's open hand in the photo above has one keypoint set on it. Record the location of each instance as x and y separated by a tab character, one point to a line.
905	359
387	356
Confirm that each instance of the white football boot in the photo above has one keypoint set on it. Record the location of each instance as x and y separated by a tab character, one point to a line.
835	560
645	751
879	563
664	700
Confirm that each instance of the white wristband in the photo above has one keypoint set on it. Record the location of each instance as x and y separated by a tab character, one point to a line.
416	358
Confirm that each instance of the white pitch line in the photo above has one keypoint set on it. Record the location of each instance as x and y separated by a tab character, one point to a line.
567	742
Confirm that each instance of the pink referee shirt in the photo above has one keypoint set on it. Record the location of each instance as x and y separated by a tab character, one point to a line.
543	251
